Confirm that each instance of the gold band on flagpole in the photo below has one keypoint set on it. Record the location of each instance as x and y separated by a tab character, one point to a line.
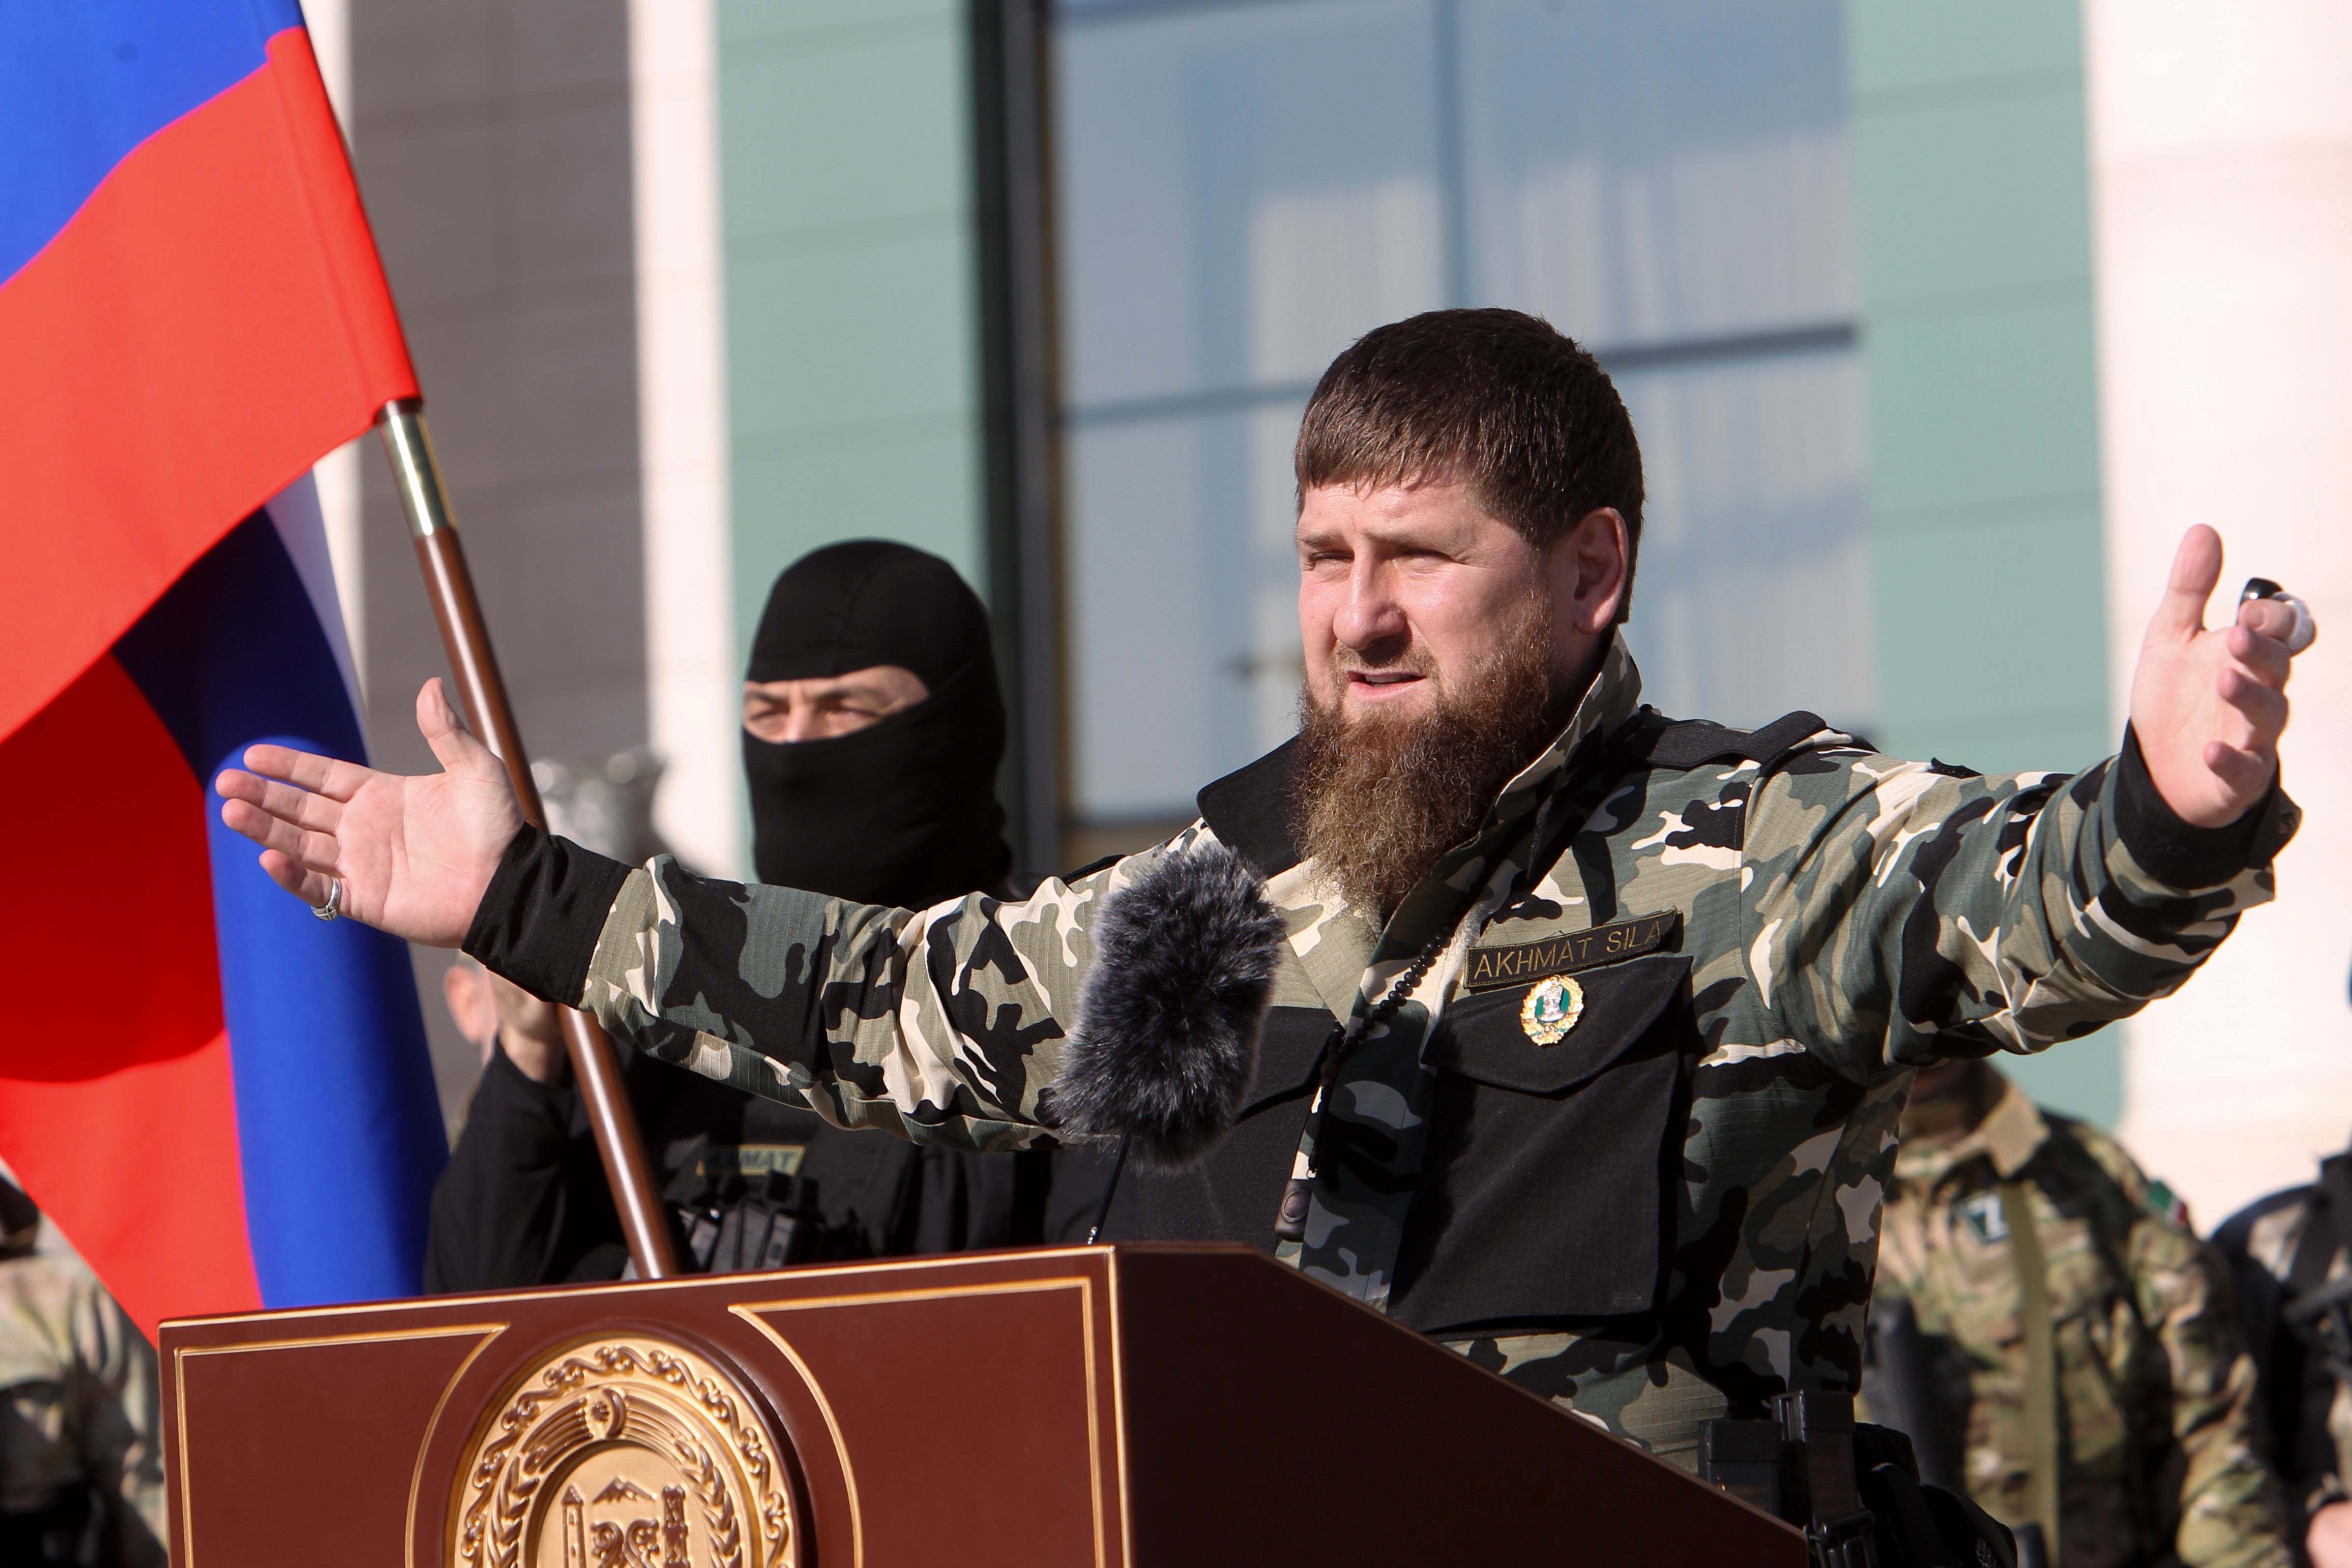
415	469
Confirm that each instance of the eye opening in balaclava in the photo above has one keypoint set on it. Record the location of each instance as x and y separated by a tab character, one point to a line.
904	812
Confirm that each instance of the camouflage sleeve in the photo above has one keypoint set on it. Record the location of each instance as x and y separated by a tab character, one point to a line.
119	1417
2232	1513
943	1025
1901	913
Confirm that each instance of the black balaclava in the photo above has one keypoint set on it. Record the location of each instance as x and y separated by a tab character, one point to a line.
903	812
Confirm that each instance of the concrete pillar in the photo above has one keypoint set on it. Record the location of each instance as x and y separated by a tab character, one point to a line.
2222	163
692	671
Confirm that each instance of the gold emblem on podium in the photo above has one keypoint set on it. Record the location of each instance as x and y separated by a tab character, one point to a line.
624	1453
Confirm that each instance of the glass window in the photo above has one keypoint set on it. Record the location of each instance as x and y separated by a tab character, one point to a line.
1668	173
1242	190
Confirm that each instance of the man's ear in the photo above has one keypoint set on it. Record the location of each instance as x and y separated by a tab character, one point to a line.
463	986
1587	567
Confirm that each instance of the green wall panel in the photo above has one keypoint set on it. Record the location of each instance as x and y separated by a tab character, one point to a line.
855	127
807	24
1979	658
1929	45
884	488
1972	213
852	333
1976	411
843	337
1969	197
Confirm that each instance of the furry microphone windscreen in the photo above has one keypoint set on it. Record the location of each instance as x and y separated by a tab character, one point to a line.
1171	1008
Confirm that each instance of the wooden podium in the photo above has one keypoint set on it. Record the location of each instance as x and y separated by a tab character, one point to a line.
1110	1405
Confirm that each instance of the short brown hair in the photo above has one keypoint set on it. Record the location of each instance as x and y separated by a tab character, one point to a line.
1498	399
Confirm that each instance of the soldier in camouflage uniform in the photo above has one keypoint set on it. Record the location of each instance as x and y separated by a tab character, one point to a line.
2154	1430
81	1476
1739	946
2291	1249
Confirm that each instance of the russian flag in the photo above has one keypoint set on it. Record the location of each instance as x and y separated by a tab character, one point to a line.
223	1102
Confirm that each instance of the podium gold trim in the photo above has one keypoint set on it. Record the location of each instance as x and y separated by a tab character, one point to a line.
488	1332
752	1314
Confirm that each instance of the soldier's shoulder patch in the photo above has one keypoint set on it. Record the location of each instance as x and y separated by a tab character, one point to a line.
2168	1205
1982	1214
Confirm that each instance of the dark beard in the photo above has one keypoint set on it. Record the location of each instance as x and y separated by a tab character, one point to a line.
1379	799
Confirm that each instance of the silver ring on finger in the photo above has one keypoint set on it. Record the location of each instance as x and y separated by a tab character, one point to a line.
330	909
2306	626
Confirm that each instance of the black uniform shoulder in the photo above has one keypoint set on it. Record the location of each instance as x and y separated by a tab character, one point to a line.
1249	811
2234	1235
1688	743
1708	777
2100	1176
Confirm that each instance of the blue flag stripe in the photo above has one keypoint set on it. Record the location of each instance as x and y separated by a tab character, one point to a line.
82	83
338	1126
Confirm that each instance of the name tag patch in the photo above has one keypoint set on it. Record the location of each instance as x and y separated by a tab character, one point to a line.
752	1159
1491	967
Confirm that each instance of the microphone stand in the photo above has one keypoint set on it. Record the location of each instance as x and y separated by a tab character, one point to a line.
1102	1210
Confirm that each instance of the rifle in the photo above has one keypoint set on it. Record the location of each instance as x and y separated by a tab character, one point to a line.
1896	1378
1853	1487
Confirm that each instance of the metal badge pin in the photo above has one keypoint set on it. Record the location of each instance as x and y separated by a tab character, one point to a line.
1551	1009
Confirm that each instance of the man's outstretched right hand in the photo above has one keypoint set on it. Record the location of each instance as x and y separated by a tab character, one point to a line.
414	855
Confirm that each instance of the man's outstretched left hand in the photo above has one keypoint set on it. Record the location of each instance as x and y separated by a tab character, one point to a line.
414	855
2208	703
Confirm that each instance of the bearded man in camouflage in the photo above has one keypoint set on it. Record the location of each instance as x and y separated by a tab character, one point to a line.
1620	1012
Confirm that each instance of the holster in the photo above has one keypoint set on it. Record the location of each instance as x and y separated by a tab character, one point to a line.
2322	1315
1853	1487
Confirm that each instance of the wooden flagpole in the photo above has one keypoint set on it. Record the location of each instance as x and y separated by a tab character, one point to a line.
451	587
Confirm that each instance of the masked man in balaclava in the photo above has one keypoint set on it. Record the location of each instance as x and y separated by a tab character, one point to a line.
872	731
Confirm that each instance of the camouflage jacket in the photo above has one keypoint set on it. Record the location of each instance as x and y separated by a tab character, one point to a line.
2160	1441
2310	1409
1670	1214
78	1384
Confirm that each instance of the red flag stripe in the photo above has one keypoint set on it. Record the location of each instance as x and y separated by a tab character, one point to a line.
168	362
117	1108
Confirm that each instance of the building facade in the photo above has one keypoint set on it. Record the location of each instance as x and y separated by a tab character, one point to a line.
1937	327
